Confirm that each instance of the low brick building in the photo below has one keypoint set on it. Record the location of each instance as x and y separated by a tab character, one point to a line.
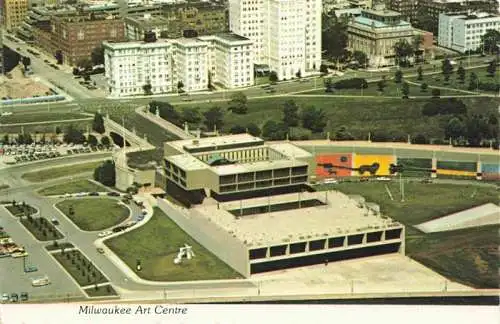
77	36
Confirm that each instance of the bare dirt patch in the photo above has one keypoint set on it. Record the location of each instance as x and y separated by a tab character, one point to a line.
20	86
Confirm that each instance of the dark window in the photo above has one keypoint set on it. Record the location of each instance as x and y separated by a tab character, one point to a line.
316	245
393	234
278	250
281	182
257	253
297	247
355	239
262	175
227	179
373	237
280	173
244	177
299	170
246	186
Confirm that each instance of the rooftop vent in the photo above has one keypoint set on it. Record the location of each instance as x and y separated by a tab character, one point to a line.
150	37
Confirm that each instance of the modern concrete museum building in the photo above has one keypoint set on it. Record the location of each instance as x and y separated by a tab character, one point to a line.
249	204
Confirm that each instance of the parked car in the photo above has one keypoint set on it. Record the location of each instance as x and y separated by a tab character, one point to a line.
54	221
5	297
14	298
30	268
100	250
104	234
383	179
93	194
113	194
24	296
140	218
427	180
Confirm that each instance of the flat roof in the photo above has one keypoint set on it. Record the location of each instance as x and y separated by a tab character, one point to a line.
256	166
384	12
207	142
232	37
189	41
339	217
187	162
151	20
290	150
379	24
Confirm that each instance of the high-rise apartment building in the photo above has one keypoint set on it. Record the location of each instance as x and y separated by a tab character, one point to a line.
225	59
14	12
286	34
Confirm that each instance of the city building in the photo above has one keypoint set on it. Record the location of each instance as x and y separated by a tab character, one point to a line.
249	203
14	12
286	34
407	8
433	8
178	20
231	60
76	36
463	31
329	5
363	4
224	59
375	32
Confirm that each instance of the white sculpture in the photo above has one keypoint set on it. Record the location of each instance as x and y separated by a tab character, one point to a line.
184	252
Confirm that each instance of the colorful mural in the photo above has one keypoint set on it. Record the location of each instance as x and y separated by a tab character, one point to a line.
460	173
491	171
333	165
373	165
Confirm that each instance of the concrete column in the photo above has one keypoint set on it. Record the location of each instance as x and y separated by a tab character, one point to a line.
345	241
287	249
382	237
268	252
365	235
434	168
307	246
402	247
479	171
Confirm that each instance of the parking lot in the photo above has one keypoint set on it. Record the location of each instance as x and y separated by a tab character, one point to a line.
14	154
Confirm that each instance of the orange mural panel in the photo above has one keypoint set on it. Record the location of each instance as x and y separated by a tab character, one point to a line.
333	165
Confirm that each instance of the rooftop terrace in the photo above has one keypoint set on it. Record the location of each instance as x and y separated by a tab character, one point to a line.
336	214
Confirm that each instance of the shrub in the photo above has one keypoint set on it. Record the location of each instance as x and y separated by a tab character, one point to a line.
354	83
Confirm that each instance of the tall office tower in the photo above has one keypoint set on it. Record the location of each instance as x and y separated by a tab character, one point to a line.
14	12
286	33
1	37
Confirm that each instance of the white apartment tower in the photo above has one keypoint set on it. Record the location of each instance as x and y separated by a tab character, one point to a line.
286	33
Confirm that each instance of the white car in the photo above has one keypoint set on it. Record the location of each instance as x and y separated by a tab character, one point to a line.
104	234
7	113
383	179
5	297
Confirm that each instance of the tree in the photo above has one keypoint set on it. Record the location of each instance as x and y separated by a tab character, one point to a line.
273	77
423	87
106	174
436	93
313	119
98	123
105	141
405	90
290	113
166	111
97	56
360	57
214	117
253	129
334	37
476	129
447	69
59	57
191	115
417	41
342	134
323	69
403	50
180	86
237	129
84	63
398	76
492	68
473	81
461	73
147	89
274	131
419	139
420	73
92	140
298	74
490	41
74	135
26	61
423	20
238	103
381	84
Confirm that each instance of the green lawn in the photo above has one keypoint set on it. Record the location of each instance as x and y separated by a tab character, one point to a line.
20	210
80	268
4	186
42	229
53	173
465	256
391	90
94	214
157	243
81	185
454	82
40	117
101	291
361	116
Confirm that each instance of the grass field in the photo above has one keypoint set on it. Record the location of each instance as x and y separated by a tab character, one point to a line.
80	268
438	80
53	173
464	256
391	90
81	185
40	117
42	229
359	115
101	291
4	186
94	214
19	210
157	243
